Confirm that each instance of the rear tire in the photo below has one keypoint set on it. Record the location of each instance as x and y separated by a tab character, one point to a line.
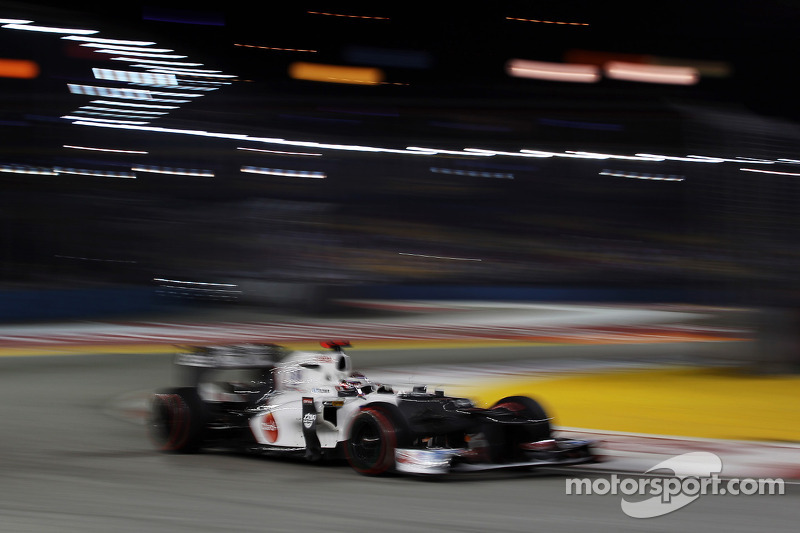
373	439
177	420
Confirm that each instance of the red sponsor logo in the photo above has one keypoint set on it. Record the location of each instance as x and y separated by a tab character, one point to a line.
270	428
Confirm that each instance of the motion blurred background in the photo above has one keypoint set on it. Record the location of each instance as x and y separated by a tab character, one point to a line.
306	151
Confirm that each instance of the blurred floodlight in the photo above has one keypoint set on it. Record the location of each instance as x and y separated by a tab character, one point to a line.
335	73
48	29
193	172
620	70
109	92
770	172
706	69
134	77
282	172
544	70
15	21
18	68
108	41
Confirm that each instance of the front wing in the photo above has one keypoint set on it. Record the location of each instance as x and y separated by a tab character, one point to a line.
437	461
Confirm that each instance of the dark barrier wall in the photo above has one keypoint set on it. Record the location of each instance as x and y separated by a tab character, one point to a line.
541	294
20	305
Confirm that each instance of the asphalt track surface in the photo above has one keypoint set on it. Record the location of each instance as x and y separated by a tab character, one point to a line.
70	463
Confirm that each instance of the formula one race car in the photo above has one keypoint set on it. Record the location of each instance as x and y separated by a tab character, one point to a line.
312	404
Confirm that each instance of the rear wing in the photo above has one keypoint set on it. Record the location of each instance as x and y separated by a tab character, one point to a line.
233	356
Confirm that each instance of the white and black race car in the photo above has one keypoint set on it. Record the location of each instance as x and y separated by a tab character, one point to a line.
312	404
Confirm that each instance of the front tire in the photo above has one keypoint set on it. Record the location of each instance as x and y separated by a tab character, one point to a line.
506	442
373	439
177	420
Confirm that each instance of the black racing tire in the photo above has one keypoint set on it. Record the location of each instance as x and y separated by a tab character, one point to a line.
505	445
177	420
373	438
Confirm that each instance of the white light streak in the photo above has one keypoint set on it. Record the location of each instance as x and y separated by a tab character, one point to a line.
15	21
440	257
472	173
770	172
163	280
641	176
155	62
594	155
134	77
140	54
198	173
537	153
114	110
109	92
198	74
693	159
48	29
280	152
23	169
437	151
94	173
102	121
107	114
134	104
751	160
115	150
411	150
108	41
177	87
121	48
286	173
523	153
